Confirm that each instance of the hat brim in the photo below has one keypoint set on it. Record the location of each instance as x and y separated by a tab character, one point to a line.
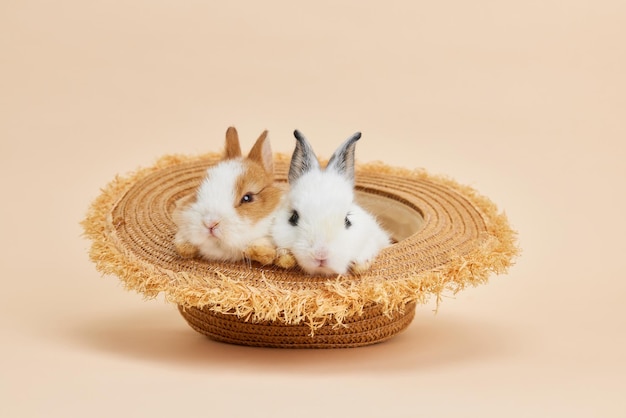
447	236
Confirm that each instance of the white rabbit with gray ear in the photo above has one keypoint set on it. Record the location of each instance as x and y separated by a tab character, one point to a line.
318	221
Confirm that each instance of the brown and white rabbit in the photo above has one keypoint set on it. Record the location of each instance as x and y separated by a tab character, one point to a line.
230	215
318	221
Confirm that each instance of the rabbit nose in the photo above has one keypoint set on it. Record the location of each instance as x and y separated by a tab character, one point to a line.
211	225
321	256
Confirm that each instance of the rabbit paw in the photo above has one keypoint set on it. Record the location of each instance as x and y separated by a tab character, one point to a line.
186	249
284	259
360	267
264	254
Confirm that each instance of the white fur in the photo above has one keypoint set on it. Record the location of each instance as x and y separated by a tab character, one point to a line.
215	202
322	200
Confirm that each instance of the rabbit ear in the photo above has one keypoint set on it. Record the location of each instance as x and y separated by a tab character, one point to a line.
303	158
342	161
261	152
232	149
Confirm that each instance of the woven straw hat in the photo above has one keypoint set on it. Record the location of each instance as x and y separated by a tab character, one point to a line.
448	237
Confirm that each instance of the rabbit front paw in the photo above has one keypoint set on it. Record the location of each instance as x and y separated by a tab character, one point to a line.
360	267
284	259
186	250
262	253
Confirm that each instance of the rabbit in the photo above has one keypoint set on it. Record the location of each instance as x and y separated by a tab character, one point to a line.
230	215
318	221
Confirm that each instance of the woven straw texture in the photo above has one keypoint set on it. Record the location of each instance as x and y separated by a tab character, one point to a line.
368	328
448	237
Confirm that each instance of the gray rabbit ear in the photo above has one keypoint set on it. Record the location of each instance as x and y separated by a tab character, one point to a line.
342	161
303	158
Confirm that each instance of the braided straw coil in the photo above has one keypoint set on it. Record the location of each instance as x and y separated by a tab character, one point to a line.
447	237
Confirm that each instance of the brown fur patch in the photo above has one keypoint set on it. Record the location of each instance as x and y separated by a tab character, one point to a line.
260	184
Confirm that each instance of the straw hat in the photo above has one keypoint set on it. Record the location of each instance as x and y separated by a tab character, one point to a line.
448	237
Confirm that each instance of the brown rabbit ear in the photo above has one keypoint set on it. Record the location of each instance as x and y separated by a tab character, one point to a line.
232	149
261	152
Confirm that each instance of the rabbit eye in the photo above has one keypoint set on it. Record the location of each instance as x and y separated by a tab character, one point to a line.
247	198
293	220
347	222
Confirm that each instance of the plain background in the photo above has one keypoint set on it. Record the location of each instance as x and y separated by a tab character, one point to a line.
525	101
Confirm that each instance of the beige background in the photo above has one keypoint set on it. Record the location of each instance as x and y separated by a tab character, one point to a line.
524	101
